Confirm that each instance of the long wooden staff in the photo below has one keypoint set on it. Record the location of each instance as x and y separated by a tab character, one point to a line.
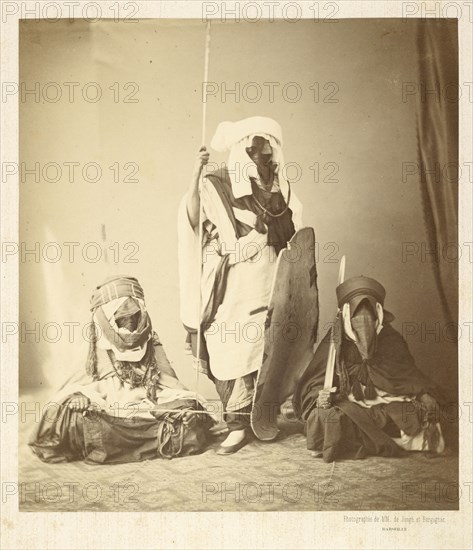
201	209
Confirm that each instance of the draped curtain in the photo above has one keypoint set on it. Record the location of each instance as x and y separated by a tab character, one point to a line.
437	132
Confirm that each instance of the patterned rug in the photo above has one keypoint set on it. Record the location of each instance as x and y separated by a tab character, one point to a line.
276	476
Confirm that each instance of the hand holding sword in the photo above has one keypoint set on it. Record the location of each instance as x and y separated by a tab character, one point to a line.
324	400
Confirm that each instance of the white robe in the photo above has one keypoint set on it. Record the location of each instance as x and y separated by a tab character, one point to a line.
235	339
109	394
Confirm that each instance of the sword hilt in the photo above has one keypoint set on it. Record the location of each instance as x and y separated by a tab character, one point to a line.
324	400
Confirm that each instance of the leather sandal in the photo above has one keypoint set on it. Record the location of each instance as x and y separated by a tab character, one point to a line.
231	449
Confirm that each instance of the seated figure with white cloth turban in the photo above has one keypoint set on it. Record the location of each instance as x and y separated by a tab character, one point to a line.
248	212
127	405
383	404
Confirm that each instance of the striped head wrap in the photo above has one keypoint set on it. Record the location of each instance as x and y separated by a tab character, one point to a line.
116	299
116	287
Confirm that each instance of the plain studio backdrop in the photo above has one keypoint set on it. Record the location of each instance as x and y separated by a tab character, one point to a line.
351	132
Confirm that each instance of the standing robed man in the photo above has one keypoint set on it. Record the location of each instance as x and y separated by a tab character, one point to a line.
248	214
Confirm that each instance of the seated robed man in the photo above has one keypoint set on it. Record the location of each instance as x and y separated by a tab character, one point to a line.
378	403
127	404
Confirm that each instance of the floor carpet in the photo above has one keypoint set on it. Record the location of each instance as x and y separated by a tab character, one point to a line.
280	475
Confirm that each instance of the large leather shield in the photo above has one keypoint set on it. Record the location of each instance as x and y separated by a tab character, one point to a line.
290	331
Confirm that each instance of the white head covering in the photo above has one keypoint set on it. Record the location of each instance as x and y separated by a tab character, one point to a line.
229	133
236	137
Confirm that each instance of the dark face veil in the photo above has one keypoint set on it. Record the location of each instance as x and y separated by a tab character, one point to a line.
361	302
364	323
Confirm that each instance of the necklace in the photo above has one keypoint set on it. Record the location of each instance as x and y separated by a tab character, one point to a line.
267	212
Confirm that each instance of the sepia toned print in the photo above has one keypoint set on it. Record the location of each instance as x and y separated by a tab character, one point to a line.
239	256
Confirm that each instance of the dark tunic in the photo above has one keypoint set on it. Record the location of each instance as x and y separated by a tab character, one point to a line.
348	430
280	228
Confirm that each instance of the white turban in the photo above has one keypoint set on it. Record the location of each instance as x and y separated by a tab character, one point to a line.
230	133
236	137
